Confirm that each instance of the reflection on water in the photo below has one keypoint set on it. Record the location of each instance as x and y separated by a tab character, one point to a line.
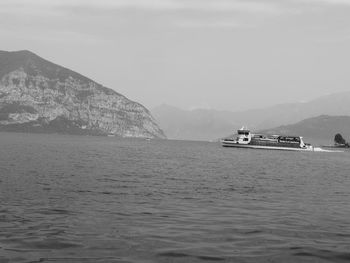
95	199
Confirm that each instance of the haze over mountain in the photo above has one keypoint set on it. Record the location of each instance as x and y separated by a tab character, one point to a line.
208	124
321	129
39	96
192	53
200	124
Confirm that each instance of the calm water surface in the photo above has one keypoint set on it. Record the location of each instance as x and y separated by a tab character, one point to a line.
96	199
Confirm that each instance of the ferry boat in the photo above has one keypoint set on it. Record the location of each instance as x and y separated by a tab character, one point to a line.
245	139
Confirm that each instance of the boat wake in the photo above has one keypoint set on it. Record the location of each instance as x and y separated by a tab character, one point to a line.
319	149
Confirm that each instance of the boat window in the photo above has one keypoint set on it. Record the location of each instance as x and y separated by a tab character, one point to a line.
289	139
245	139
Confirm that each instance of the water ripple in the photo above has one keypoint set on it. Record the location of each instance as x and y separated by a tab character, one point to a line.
95	199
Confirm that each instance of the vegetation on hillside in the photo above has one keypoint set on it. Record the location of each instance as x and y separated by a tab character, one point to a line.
340	141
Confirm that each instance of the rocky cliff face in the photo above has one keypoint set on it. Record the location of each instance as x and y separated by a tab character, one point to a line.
39	96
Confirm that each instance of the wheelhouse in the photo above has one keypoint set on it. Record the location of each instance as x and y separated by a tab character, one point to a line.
243	132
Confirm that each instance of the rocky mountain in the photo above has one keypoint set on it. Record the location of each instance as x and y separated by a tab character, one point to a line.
208	124
321	129
39	96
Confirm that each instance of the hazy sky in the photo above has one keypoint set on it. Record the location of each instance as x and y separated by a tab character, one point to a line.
222	54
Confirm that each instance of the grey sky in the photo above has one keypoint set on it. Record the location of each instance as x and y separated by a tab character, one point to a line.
223	54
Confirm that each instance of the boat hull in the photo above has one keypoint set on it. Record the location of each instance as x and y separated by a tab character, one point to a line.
252	146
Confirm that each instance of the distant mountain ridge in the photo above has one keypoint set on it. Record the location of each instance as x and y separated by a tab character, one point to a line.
37	95
317	129
282	114
188	124
200	124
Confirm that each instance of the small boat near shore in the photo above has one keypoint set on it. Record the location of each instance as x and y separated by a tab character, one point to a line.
339	142
245	139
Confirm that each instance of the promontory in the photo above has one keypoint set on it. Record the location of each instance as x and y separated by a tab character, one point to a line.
37	95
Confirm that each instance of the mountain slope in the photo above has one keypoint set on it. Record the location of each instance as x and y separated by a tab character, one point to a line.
317	129
39	96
